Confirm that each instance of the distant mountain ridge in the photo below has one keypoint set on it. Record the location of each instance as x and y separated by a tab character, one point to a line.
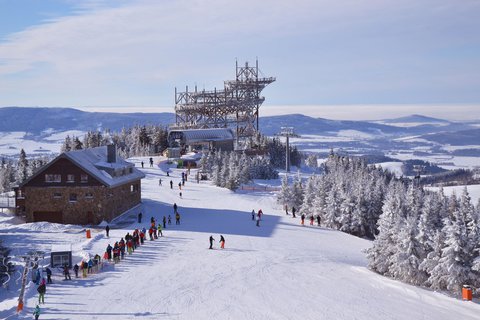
36	120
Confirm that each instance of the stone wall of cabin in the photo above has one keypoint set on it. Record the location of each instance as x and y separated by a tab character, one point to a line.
105	203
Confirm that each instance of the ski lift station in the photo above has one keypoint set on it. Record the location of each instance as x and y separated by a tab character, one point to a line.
198	139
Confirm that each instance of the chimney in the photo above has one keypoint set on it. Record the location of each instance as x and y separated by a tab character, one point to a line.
111	153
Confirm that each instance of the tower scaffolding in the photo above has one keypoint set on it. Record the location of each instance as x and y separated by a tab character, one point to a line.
236	106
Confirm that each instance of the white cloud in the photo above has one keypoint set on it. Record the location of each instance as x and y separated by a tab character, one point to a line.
134	53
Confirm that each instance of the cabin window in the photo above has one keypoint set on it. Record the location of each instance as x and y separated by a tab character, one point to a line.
73	197
57	195
70	178
53	178
83	178
134	188
89	195
20	194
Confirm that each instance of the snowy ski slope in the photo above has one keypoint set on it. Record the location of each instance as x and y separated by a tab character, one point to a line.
280	270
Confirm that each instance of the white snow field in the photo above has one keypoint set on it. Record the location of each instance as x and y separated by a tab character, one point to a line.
280	270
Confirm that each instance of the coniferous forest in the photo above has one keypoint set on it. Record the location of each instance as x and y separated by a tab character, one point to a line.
420	237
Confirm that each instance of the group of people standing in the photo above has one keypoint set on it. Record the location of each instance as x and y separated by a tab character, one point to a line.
302	217
257	216
222	242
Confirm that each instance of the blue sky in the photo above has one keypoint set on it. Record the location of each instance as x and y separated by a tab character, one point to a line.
323	52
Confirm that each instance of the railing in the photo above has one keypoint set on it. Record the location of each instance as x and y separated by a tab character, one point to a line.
259	188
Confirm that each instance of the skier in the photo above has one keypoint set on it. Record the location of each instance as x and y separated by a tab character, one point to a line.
107	230
318	220
303	219
109	252
169	219
311	220
258	220
142	164
293	212
160	182
150	233
177	218
168	173
222	242
49	275
259	214
36	312
159	228
211	242
37	277
164	222
121	244
42	288
84	268
151	162
140	217
90	265
66	272
171	184
180	185
180	194
286	209
175	208
253	214
75	268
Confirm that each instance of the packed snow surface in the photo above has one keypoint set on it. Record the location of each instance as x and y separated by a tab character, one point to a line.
280	270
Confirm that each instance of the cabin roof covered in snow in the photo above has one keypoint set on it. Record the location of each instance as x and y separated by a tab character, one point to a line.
94	161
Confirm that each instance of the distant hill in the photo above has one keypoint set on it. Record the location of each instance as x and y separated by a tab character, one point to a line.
458	138
36	120
416	118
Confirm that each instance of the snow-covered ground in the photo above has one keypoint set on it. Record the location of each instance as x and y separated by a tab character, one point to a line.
394	167
280	270
473	191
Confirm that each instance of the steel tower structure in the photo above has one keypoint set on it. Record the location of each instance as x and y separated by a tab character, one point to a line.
236	106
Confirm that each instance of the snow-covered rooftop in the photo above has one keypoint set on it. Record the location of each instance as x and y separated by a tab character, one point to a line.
94	161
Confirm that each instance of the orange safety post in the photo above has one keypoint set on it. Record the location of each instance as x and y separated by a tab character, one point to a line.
20	306
89	235
467	293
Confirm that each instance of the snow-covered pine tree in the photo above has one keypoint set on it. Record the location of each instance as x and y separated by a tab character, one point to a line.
244	169
77	144
312	161
454	267
384	246
320	200
22	167
307	206
406	259
433	257
332	207
284	196
67	144
225	171
232	179
347	207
